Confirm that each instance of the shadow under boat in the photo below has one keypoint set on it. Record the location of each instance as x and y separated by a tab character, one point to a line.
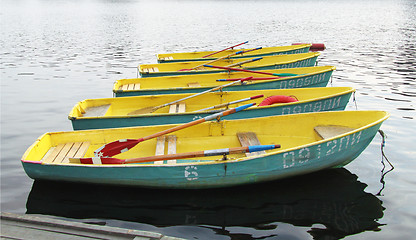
333	198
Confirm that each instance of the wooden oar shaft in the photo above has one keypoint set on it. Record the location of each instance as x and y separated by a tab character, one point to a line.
225	49
196	95
206	153
239	70
244	62
221	58
123	145
229	103
254	78
198	121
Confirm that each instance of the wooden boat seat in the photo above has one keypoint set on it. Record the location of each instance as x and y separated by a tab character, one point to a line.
160	148
328	131
167	58
131	86
62	152
150	69
249	139
96	111
177	108
194	84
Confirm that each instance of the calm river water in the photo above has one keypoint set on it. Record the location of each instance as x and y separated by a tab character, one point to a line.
56	53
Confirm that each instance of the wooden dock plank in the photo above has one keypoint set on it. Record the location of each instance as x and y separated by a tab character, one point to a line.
249	139
16	226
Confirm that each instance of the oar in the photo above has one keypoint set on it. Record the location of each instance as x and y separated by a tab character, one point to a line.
152	109
244	62
225	49
220	58
229	103
251	71
206	153
253	79
123	145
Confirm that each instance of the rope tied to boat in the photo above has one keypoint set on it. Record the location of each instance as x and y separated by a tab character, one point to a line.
383	157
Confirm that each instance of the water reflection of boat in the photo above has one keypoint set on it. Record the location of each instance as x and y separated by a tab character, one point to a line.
333	198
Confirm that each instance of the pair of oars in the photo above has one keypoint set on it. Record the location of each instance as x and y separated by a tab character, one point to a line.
123	145
251	71
152	109
206	153
232	47
221	58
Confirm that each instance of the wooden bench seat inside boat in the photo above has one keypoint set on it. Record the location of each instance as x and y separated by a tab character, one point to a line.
96	111
328	131
130	86
249	139
194	84
167	58
171	149
62	152
177	108
151	69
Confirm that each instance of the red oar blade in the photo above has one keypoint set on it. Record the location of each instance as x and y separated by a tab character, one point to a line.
101	160
116	147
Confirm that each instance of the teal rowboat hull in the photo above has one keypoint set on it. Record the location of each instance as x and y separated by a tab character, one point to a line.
336	151
319	79
335	102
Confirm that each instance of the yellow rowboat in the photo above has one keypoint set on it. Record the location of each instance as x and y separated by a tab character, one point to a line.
260	63
309	142
306	77
126	111
199	56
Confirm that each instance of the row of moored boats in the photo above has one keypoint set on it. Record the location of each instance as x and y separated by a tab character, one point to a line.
210	119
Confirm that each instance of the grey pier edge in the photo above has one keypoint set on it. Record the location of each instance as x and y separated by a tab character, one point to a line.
17	226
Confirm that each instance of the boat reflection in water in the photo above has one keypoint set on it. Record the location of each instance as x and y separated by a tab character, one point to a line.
333	198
